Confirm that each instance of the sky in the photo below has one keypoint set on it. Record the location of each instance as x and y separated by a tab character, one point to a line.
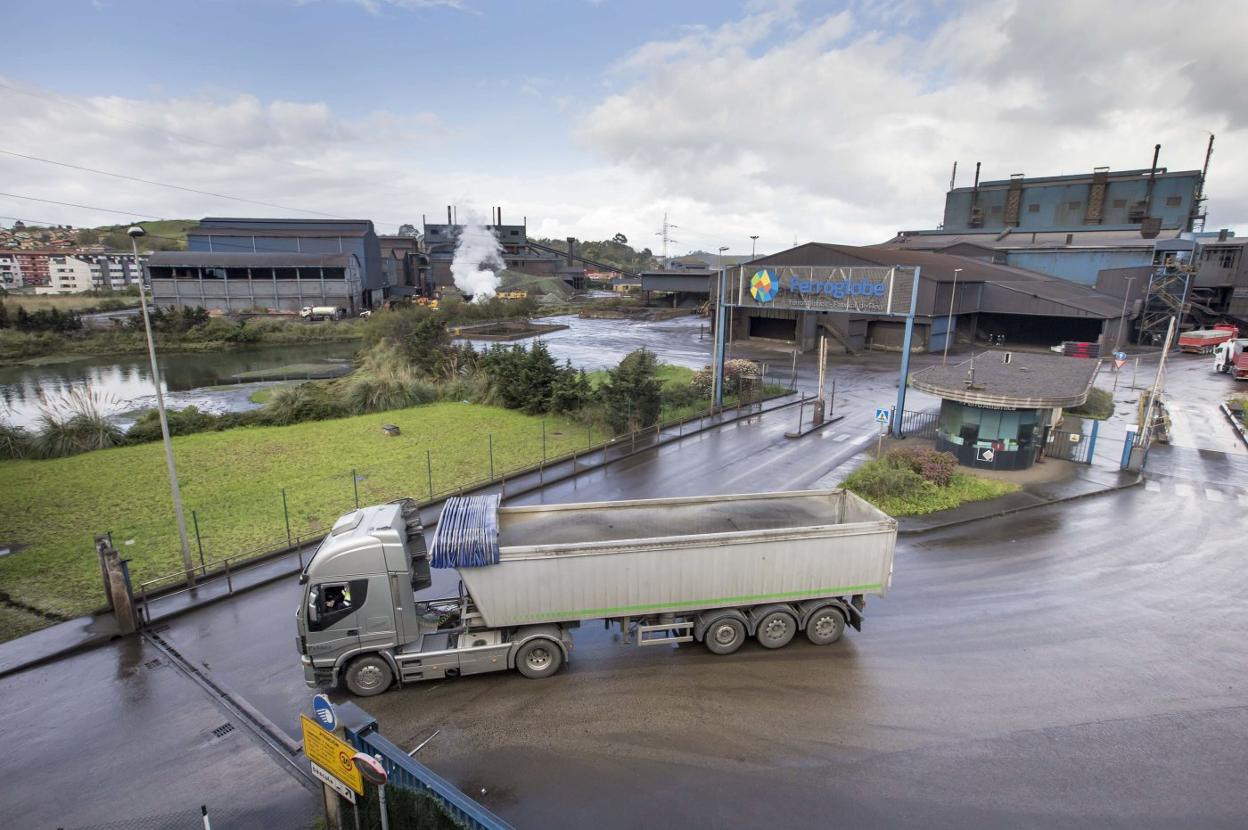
793	121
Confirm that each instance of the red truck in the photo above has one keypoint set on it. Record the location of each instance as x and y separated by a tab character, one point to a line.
1204	341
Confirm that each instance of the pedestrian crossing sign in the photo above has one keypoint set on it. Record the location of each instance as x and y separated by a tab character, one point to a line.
882	416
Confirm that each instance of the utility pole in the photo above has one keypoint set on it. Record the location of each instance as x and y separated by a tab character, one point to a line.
135	232
1145	435
949	325
753	245
1126	294
723	267
667	239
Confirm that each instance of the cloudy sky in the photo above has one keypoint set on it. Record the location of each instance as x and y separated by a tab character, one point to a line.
833	121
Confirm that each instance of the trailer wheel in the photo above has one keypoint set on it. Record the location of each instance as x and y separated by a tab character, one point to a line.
724	635
776	630
825	626
539	658
369	675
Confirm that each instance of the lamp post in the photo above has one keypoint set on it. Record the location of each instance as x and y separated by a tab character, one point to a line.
722	267
1126	294
135	232
949	326
753	244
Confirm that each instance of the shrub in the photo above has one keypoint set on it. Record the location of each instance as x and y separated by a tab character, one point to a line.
384	380
878	480
217	328
735	371
933	466
680	395
571	391
181	422
293	404
76	426
14	442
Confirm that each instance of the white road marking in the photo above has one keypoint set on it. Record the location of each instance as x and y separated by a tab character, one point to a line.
842	437
1184	490
1214	495
1152	486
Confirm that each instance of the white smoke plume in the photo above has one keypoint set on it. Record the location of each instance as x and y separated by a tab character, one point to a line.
478	258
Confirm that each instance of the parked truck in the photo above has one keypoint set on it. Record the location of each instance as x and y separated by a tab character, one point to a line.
322	312
713	569
1204	341
1227	354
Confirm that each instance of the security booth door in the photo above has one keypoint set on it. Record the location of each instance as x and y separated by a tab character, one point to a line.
334	616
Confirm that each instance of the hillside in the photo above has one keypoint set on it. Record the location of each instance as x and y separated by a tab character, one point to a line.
162	235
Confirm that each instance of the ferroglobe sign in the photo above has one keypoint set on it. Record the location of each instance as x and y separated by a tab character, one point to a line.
856	289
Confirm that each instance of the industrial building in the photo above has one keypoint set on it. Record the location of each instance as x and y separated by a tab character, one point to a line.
234	264
519	253
1136	234
986	300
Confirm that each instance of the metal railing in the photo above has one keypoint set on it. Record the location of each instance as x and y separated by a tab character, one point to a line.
919	424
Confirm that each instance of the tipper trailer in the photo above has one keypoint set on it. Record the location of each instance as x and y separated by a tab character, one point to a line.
710	569
1204	341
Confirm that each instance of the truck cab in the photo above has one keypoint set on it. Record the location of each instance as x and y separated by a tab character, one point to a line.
360	622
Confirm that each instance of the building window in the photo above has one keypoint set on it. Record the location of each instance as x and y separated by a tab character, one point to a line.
1120	203
1073	205
1033	208
1226	258
1174	201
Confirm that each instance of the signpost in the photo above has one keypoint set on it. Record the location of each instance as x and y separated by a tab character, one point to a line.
882	417
332	754
325	713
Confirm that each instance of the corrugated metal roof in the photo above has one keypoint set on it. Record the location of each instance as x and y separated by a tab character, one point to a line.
208	259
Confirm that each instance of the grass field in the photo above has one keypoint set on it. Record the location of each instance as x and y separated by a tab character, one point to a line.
233	480
666	373
63	302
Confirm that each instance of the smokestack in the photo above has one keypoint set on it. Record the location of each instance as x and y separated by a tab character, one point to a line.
454	214
571	248
449	218
977	176
953	177
500	215
1152	179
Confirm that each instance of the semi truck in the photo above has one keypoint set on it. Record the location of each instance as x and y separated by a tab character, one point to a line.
1204	341
1230	358
322	312
712	569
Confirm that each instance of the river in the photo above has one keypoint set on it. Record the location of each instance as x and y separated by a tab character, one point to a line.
123	385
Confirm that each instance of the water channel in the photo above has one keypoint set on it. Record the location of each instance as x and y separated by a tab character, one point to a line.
123	385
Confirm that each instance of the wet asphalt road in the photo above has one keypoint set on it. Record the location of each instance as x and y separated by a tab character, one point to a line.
1075	666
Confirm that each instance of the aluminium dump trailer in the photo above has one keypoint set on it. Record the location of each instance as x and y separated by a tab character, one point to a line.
712	569
1204	341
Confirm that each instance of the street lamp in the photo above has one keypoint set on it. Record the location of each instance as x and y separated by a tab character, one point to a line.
753	244
135	232
949	326
1126	294
723	267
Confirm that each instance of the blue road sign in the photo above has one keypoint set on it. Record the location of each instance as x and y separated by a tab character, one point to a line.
1120	355
883	415
323	708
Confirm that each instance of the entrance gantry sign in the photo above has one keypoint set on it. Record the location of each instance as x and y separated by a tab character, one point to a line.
877	291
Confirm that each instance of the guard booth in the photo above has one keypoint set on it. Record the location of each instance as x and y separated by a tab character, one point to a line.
998	408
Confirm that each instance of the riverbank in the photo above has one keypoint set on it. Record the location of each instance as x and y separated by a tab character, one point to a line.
19	348
243	486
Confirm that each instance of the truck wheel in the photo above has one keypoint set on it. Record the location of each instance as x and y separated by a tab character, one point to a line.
368	676
724	635
539	658
825	626
776	630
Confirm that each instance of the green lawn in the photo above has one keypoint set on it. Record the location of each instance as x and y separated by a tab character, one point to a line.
666	373
233	480
929	497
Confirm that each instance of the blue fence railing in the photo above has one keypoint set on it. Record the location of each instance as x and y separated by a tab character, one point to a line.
410	774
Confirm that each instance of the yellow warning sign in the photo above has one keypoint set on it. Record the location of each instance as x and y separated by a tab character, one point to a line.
330	754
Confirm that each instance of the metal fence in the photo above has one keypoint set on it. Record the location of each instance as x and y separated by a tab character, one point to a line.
1071	446
406	773
920	424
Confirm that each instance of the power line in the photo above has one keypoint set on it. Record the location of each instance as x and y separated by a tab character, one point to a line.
84	207
163	184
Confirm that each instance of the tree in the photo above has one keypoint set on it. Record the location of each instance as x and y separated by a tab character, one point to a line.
620	239
571	392
632	395
538	379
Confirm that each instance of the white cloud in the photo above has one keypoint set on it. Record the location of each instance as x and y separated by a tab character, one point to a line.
844	128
